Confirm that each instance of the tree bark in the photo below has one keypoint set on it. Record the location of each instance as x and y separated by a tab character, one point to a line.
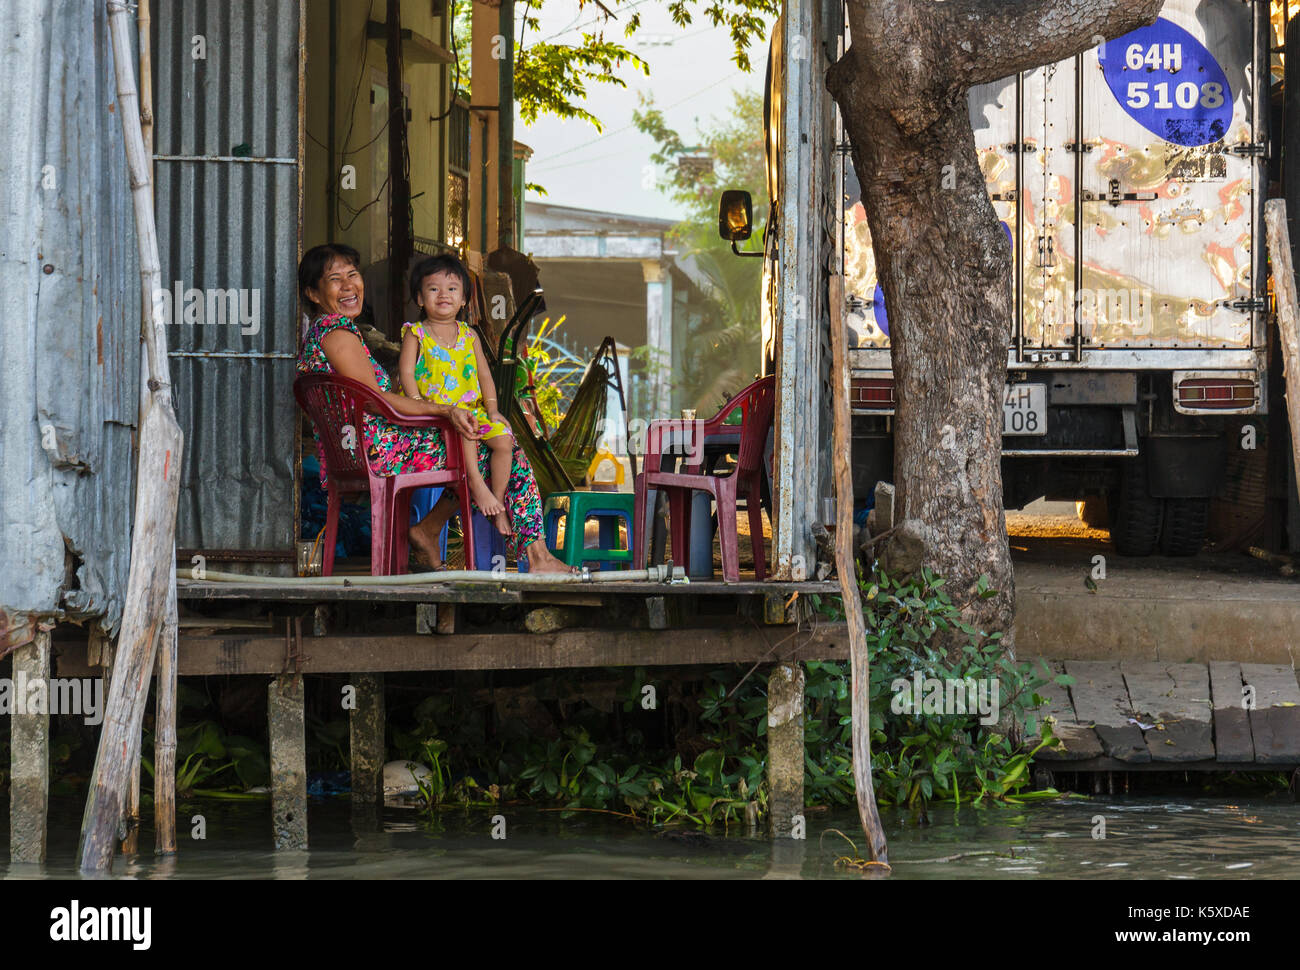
943	260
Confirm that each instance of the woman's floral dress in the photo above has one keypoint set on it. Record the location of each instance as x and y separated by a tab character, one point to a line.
393	450
449	375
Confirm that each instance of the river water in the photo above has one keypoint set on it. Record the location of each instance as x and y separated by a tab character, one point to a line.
1144	837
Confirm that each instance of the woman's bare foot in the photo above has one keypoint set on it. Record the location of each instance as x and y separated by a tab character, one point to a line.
540	560
426	535
502	522
487	502
426	554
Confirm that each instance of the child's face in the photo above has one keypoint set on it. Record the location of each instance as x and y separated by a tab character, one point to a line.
442	295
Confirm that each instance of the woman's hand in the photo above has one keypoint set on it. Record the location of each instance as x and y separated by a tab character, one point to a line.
462	421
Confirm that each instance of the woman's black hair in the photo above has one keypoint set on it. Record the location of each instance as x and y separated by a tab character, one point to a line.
445	263
316	261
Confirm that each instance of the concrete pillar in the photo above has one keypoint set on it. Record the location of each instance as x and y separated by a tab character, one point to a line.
29	746
366	729
286	720
659	335
785	749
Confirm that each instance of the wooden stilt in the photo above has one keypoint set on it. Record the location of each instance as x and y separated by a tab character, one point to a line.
164	744
366	724
286	720
846	571
785	752
29	745
131	810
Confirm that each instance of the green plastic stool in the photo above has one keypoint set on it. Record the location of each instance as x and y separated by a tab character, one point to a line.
576	508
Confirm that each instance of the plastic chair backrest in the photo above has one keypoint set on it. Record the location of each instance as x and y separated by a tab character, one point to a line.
335	404
758	404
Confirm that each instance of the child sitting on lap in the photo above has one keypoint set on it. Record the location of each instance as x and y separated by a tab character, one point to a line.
442	362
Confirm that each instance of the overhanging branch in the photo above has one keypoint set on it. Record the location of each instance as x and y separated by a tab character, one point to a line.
999	38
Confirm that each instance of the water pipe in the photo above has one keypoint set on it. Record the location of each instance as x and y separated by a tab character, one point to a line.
655	574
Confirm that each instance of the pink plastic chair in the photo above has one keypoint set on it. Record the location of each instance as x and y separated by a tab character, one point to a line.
757	403
336	404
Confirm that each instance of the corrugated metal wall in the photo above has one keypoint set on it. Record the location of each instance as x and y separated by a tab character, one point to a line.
226	153
69	344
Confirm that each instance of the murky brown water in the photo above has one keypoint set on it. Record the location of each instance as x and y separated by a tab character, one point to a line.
1162	838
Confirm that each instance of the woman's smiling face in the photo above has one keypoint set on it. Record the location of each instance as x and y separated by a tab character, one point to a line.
340	290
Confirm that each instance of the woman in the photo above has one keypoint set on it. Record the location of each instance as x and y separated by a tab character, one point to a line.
329	282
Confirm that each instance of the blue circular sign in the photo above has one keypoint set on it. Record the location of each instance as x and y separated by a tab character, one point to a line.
878	310
1169	84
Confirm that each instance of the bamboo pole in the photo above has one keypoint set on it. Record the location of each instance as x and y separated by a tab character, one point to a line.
164	776
846	570
1288	315
157	491
146	83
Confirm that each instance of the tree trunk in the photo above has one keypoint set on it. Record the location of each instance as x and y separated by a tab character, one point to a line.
943	259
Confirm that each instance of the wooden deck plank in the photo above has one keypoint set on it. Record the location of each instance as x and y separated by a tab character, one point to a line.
1176	698
508	651
1101	697
1275	720
1077	740
1232	737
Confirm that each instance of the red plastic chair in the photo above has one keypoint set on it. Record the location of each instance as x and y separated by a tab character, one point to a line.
757	403
335	403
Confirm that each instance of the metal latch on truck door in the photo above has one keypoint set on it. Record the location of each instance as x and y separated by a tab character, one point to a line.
1257	305
1115	196
1258	149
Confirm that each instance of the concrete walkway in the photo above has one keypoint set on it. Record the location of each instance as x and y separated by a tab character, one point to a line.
1227	607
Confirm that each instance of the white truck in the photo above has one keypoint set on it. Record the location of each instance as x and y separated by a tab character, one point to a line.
1131	181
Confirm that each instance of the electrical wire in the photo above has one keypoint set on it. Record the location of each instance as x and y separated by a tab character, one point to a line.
455	59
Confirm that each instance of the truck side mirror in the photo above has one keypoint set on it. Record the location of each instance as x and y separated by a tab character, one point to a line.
735	215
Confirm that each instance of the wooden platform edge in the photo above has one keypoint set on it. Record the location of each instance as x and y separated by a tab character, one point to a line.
225	655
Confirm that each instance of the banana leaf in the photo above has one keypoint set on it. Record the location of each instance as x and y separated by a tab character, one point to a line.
548	469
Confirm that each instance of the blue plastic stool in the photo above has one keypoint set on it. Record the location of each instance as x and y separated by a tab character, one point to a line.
488	542
607	508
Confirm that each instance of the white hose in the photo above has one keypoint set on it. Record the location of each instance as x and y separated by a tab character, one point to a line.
655	574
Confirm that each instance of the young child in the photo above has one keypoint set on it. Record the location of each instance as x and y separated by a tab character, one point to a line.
442	362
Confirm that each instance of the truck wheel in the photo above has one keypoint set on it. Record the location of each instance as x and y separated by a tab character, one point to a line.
1136	520
1187	521
1093	512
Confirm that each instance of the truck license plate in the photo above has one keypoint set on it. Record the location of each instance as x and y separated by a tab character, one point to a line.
1024	409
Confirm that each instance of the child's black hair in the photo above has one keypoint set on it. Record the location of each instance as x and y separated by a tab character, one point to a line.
444	263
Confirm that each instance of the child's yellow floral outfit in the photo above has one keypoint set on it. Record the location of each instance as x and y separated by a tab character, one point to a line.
449	375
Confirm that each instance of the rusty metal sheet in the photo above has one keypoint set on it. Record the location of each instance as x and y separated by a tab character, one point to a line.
69	349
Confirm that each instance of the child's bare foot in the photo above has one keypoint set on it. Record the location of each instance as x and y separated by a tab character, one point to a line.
502	522
487	502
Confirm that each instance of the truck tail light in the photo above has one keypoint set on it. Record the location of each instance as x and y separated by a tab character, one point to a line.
872	393
1217	394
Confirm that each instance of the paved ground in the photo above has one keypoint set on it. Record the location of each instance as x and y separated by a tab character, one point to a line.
1226	606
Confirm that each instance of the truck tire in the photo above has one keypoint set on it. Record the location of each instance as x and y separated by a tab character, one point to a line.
1136	516
1186	524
